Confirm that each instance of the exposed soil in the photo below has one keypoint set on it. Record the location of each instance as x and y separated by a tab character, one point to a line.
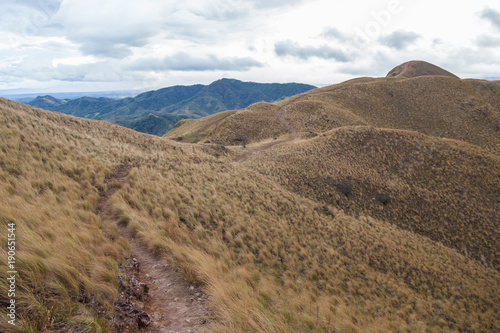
111	184
173	305
154	296
405	68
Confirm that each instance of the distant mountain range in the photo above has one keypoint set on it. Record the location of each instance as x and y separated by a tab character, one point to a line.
156	112
21	95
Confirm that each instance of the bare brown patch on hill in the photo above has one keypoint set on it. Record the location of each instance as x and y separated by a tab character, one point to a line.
416	68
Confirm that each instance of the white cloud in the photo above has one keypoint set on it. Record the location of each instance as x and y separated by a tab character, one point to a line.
399	39
293	49
108	28
129	42
488	41
491	15
187	62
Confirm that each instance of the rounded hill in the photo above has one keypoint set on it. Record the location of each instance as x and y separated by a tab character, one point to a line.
439	106
418	68
443	189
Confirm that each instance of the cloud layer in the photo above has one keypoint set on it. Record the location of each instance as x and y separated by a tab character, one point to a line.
399	39
492	16
187	62
124	43
289	48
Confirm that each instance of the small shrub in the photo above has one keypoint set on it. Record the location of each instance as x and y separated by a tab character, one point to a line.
384	199
345	188
242	140
220	143
123	220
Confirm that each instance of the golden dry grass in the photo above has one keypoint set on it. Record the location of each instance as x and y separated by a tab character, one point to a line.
416	68
194	130
444	189
270	259
441	106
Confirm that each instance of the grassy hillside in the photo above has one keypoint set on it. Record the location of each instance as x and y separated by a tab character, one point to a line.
156	125
269	259
47	102
192	130
418	68
446	190
248	123
441	106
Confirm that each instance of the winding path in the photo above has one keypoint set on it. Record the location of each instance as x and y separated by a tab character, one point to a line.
280	114
281	117
169	304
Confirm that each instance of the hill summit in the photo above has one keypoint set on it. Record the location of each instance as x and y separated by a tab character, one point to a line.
416	68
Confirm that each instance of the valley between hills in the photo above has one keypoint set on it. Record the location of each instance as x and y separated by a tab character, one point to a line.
372	205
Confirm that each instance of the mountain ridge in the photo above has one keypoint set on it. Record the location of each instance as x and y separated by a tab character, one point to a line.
181	101
437	105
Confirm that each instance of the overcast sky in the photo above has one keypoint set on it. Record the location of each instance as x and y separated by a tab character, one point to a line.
94	45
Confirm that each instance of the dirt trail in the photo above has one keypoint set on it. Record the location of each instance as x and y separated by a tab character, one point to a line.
154	298
405	68
286	123
172	304
281	117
